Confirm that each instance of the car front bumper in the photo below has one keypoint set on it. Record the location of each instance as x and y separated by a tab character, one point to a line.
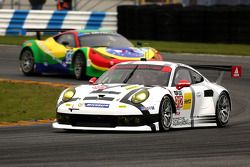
107	122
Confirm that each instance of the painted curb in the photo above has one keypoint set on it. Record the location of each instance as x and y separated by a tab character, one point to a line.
35	83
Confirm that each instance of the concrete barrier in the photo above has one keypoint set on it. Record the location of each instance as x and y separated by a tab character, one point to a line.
14	22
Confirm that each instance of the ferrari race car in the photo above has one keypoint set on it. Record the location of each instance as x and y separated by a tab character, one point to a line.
80	52
144	96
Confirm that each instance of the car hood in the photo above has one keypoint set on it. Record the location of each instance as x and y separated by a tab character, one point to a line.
109	92
132	53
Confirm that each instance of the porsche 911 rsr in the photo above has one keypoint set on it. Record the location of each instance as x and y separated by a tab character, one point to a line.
80	52
144	96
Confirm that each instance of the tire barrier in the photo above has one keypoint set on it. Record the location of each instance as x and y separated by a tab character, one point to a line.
217	24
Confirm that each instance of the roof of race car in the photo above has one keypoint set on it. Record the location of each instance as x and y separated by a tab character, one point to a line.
160	63
88	32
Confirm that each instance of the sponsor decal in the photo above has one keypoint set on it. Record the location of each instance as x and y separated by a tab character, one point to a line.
181	121
126	52
80	104
122	106
179	102
178	93
99	87
236	71
147	108
97	105
131	87
68	105
68	56
187	101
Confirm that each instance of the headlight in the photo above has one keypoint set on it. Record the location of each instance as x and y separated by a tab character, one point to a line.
68	94
140	96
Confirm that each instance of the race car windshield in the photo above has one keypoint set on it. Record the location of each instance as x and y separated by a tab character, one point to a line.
136	74
104	40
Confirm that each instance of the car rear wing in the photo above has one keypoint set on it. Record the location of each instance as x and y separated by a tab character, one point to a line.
39	30
213	67
221	68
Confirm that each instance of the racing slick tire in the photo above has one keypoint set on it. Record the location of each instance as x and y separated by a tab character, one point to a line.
79	65
223	109
27	62
165	114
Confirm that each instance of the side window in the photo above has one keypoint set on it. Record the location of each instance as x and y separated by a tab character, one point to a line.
196	78
181	74
66	38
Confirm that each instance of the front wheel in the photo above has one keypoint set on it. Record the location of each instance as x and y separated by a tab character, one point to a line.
165	114
223	110
79	66
27	62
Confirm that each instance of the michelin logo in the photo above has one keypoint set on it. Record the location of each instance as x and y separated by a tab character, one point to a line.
97	105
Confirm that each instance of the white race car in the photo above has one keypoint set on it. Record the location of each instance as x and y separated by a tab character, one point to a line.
144	96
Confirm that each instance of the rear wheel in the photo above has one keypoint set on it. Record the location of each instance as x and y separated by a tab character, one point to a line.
27	62
79	66
223	110
165	114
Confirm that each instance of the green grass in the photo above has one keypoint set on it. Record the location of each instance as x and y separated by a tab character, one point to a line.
165	46
27	102
15	40
208	48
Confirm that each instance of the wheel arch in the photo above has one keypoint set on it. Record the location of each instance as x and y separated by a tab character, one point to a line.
78	51
25	48
172	102
34	48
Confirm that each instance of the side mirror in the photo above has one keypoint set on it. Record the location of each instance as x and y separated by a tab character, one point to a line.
182	83
65	43
92	80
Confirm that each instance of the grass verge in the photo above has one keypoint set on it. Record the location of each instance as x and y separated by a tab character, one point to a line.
206	48
27	102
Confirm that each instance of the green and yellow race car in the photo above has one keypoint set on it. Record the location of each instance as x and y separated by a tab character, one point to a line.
81	53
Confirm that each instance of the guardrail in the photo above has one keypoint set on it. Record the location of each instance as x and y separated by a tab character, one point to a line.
14	22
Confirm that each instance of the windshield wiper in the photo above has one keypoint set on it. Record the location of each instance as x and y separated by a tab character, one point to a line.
130	75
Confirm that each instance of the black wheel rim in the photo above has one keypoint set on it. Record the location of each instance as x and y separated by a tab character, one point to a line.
223	109
166	113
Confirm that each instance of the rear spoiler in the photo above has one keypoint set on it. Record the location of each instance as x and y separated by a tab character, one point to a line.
213	67
39	30
221	68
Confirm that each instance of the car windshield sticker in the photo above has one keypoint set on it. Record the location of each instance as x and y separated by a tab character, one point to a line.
146	67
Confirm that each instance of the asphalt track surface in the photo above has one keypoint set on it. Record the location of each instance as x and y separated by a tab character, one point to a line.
40	145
